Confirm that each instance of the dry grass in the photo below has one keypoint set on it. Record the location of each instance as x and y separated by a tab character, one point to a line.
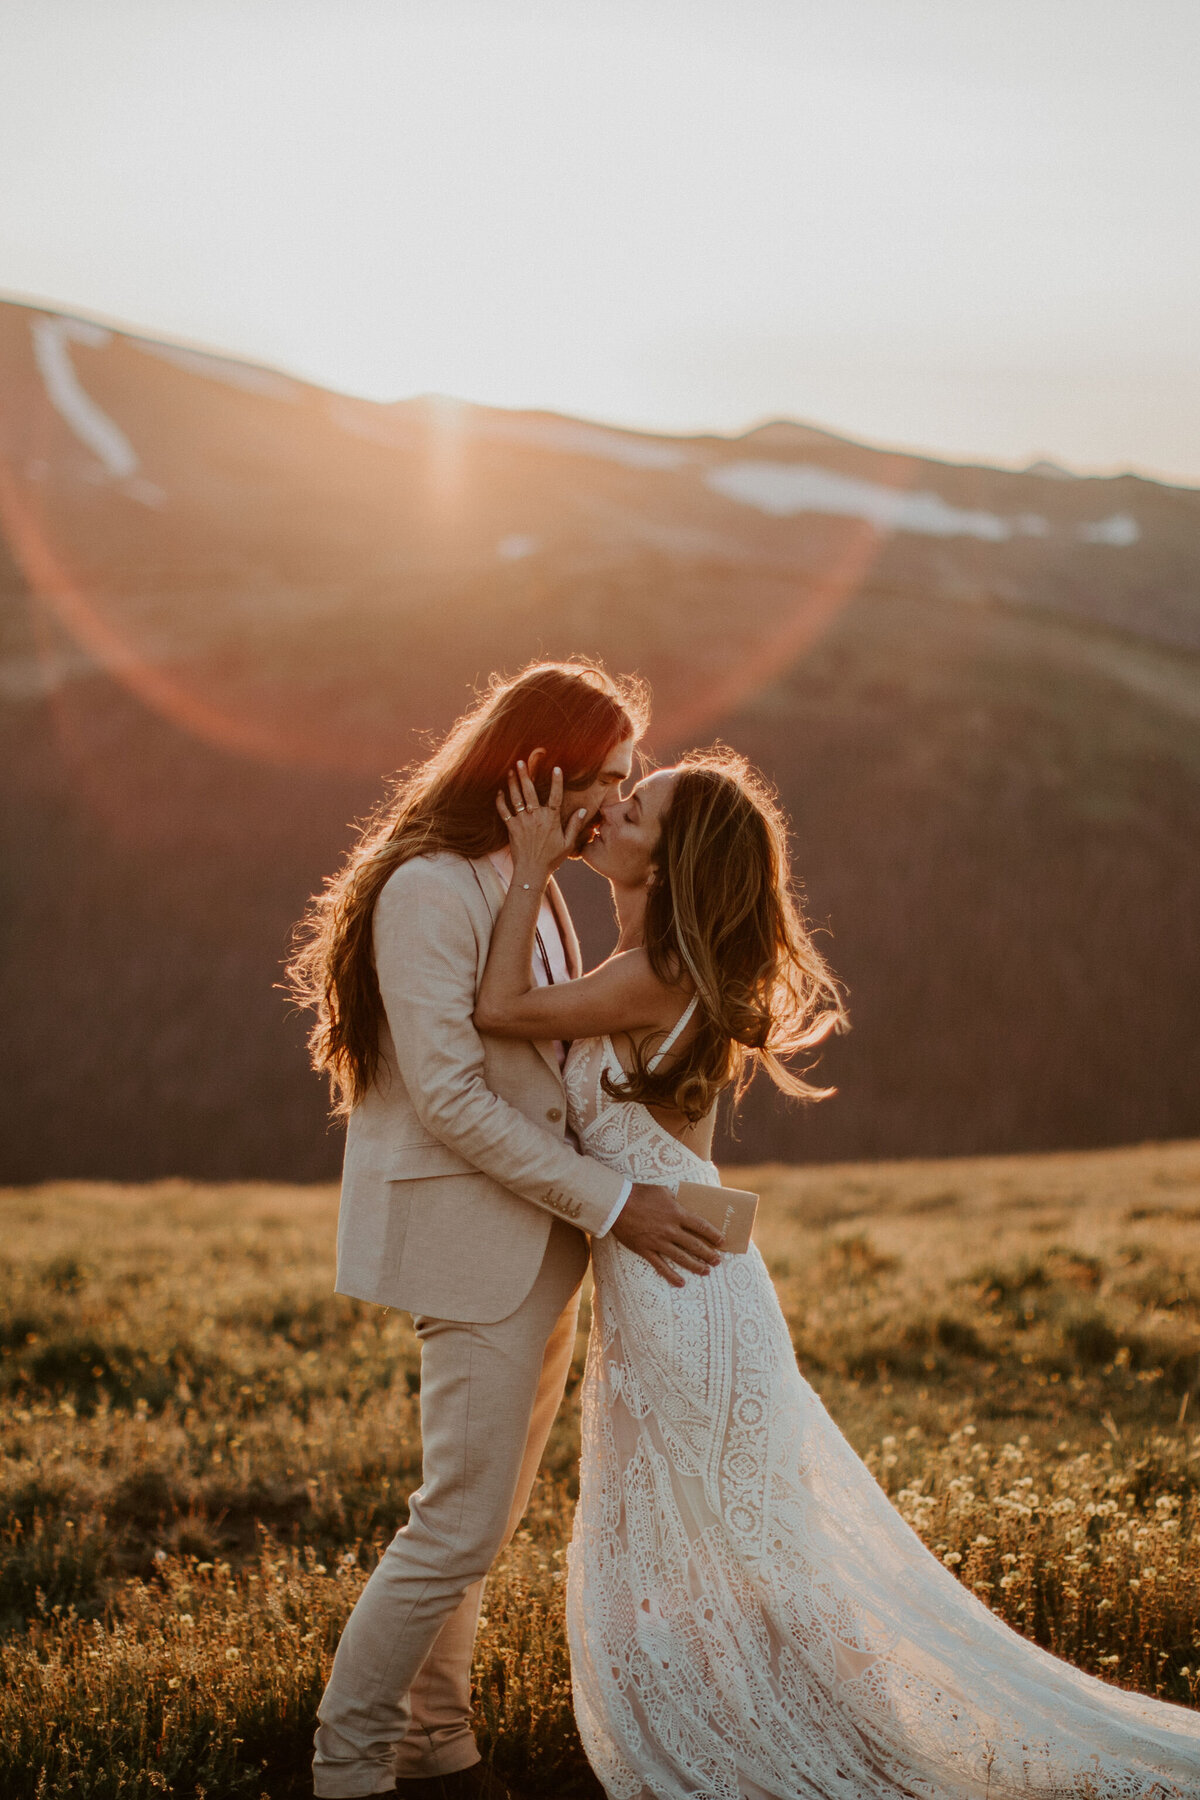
204	1449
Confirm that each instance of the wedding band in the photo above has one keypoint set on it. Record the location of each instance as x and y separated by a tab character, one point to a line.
520	809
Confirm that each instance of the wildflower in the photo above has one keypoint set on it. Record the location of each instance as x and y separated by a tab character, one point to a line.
232	1654
952	1557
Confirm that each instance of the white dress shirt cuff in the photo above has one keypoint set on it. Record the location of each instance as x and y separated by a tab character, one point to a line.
615	1213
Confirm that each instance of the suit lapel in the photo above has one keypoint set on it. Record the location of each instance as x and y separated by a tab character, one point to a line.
493	893
570	942
490	882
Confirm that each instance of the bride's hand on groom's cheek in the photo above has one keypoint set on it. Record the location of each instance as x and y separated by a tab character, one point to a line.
535	830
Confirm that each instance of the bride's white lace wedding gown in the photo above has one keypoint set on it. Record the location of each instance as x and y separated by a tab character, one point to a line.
748	1614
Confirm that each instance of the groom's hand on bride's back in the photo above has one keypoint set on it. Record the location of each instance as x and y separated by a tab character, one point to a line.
653	1223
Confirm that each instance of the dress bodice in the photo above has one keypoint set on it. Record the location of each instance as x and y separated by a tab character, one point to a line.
624	1133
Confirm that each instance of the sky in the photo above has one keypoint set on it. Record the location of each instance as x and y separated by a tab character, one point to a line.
952	225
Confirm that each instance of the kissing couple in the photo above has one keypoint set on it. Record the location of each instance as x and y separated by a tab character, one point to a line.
749	1617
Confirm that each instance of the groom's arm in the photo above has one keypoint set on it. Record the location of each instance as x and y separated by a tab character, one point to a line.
426	955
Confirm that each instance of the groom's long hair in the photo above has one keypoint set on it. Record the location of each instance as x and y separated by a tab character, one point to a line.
573	710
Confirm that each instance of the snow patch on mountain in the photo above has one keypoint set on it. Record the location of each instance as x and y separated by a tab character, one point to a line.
788	488
785	489
52	338
1121	529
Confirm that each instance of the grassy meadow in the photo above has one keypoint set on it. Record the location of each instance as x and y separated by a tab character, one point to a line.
204	1449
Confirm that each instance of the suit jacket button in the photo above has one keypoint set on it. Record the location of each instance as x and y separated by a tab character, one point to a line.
554	1115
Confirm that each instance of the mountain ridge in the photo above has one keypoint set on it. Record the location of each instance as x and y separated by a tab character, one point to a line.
231	602
1043	466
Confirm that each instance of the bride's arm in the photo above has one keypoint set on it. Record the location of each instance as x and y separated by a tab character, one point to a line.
623	994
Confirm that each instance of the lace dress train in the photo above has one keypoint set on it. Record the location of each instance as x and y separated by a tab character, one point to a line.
749	1616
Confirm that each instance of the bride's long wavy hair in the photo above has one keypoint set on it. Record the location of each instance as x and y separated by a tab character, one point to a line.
723	911
574	710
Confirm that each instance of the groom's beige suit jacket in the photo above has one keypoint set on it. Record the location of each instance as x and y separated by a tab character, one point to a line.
456	1160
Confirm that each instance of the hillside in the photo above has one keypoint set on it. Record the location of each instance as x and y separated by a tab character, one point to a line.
203	1449
231	601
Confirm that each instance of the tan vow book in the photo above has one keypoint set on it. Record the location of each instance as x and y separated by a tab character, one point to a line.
731	1210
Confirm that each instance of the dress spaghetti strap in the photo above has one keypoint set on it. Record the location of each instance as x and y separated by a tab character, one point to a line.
668	1042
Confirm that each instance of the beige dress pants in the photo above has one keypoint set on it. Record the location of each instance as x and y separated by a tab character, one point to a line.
399	1695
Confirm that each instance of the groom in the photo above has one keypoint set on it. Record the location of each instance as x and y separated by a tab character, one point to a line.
465	1202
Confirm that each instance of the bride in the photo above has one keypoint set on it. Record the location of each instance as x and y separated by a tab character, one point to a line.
749	1617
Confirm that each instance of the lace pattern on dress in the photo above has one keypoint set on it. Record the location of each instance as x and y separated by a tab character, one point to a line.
749	1616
